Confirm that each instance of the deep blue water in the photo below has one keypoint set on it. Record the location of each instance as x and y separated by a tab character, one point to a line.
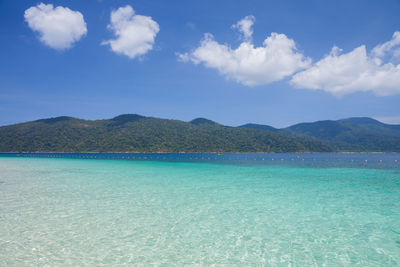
315	160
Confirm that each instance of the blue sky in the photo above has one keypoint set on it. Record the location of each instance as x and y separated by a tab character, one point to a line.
178	73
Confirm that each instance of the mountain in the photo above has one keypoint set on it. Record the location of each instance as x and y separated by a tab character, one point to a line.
200	121
259	126
373	125
352	134
136	133
125	118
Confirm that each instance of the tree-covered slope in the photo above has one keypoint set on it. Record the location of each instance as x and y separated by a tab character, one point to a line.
135	133
354	134
259	126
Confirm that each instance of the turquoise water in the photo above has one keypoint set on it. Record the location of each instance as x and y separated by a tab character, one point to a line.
116	212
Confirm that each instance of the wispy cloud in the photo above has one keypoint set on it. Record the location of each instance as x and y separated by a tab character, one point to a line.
245	27
190	25
388	119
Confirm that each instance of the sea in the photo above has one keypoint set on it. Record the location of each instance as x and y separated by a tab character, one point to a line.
199	209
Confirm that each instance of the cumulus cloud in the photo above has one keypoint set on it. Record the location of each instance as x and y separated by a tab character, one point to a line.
381	50
58	27
343	73
135	34
276	59
244	26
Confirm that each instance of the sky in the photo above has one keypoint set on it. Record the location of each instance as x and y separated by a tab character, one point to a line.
234	62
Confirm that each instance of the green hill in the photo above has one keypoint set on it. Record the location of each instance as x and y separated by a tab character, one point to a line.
259	126
352	134
135	133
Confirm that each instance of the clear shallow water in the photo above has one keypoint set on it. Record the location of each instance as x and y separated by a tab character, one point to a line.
110	212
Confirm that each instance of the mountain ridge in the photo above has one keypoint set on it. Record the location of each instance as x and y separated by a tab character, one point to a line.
351	134
137	133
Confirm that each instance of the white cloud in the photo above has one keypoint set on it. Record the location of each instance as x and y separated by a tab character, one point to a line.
276	59
381	50
355	71
244	26
135	34
58	27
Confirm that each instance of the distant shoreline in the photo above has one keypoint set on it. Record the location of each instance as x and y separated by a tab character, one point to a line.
212	152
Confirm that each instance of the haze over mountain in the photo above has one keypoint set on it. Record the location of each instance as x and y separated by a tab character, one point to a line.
136	133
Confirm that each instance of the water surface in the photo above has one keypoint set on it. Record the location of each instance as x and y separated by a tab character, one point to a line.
332	210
